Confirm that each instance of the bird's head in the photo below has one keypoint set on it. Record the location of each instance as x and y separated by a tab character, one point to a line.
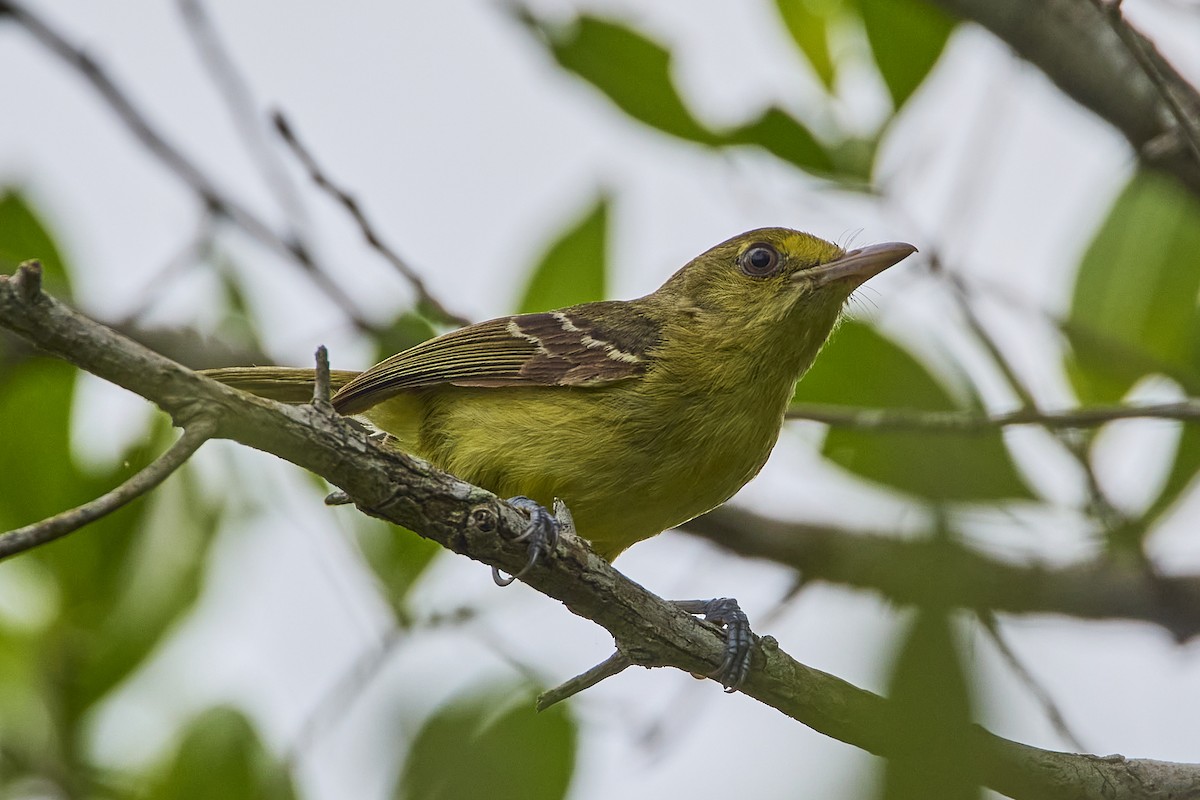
774	275
773	292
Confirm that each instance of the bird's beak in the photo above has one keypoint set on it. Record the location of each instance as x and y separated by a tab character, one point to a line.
857	266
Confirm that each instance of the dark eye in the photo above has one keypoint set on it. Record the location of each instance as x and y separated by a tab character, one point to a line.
759	260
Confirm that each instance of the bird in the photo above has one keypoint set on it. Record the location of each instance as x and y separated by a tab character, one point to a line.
638	414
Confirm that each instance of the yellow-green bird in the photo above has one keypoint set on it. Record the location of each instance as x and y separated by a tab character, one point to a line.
639	414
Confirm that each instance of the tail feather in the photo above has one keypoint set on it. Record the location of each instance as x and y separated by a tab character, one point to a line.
285	384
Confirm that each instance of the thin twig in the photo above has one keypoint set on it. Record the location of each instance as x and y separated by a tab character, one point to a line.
911	419
613	665
347	201
22	539
988	620
199	248
346	690
243	111
178	163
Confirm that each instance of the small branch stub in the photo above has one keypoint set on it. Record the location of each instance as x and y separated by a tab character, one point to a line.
28	280
321	391
613	665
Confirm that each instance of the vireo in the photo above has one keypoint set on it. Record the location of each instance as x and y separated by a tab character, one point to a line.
639	414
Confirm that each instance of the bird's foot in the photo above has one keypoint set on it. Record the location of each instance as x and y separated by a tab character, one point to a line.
738	639
541	534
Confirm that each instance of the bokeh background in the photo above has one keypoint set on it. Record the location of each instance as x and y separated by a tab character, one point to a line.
231	636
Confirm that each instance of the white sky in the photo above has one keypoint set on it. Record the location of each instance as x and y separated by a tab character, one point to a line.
470	151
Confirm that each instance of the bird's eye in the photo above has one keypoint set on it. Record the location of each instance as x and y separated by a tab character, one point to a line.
759	260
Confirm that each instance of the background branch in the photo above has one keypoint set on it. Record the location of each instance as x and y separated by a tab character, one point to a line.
1074	44
977	422
924	570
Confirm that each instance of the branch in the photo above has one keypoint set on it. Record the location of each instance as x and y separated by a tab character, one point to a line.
347	201
177	162
1149	60
466	519
1074	44
924	571
21	539
905	419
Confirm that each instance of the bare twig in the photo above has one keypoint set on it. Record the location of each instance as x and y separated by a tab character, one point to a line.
911	419
335	703
243	111
615	664
28	537
992	626
174	159
197	249
347	201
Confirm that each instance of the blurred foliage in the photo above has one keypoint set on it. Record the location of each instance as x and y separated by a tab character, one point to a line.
930	710
635	74
493	739
573	269
220	757
82	615
861	368
22	237
397	558
1134	311
907	38
808	22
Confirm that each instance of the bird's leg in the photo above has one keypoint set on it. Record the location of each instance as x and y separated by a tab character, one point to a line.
738	638
541	534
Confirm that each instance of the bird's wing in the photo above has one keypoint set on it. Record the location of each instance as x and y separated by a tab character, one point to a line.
588	345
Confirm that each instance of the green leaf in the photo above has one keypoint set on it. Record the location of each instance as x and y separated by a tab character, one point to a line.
121	584
24	237
861	368
907	37
494	740
635	73
222	758
632	70
1133	312
808	27
930	717
37	392
407	330
159	579
781	135
396	556
573	269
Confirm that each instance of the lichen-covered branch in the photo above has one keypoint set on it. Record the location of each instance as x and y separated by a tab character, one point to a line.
468	520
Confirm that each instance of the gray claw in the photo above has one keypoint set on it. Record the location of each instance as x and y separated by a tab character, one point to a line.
542	535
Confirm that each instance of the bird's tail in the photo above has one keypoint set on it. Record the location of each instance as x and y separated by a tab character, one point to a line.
285	384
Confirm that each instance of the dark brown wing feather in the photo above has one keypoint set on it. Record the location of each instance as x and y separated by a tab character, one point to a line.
588	345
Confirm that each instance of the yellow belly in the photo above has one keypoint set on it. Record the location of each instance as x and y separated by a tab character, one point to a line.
625	470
